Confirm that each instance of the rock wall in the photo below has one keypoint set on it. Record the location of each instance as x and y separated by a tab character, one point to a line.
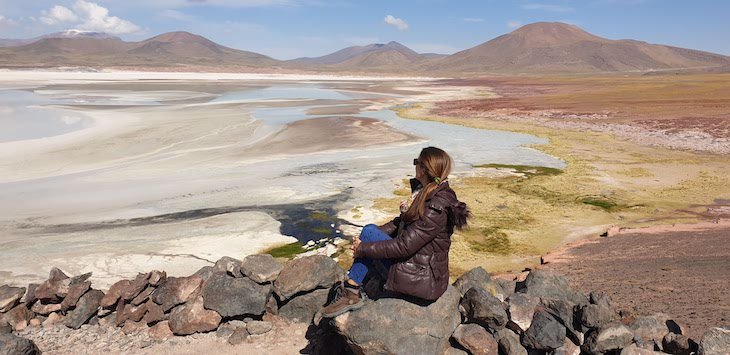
477	315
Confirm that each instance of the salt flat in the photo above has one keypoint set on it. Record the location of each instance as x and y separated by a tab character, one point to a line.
177	170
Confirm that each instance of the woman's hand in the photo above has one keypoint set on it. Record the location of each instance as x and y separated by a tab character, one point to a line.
355	246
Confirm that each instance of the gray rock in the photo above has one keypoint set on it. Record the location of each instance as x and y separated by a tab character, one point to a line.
258	327
205	272
478	277
413	329
239	336
679	344
715	341
175	290
615	336
86	308
9	297
568	348
651	328
455	351
261	268
303	308
14	345
476	339
306	274
545	284
483	308
595	316
508	286
545	332
225	330
231	296
564	312
192	317
228	265
521	307
635	350
509	342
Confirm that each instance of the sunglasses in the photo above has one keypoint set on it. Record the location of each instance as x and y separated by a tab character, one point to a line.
416	161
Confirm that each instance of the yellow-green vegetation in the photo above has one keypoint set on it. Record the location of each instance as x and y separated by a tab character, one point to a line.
607	181
286	251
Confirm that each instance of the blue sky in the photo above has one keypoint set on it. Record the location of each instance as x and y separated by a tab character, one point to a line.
286	29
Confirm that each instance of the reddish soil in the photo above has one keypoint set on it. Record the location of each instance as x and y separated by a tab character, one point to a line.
685	274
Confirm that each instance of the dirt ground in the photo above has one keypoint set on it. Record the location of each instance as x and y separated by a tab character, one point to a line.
684	273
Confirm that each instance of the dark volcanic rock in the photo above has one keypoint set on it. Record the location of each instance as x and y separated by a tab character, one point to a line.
115	292
715	341
545	332
17	317
228	265
175	290
483	308
137	285
30	294
14	345
157	277
615	336
74	294
231	296
478	277
306	274
546	284
154	314
205	272
143	296
416	329
651	328
261	268
302	308
595	316
9	297
57	287
192	317
521	307
509	342
86	308
476	339
679	344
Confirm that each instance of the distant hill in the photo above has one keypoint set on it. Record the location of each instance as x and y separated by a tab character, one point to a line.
62	34
392	55
557	47
536	48
166	50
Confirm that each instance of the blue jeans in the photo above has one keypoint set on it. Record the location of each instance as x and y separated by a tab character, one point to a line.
370	233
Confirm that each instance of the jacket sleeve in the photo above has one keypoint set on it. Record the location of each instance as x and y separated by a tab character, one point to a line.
415	236
391	227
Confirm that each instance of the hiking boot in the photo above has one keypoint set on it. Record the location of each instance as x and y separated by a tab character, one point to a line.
346	299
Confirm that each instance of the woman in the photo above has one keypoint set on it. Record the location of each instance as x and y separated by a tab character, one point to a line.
415	245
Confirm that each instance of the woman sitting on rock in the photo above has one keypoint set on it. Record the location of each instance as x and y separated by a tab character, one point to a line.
413	246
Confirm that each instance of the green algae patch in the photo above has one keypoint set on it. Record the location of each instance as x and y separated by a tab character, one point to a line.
527	170
286	251
600	202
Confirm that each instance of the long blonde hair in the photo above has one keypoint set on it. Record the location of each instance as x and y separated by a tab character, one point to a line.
436	163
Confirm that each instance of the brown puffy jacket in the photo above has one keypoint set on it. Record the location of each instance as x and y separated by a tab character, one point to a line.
420	248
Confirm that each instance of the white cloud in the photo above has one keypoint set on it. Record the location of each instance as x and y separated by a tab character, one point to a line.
514	24
548	7
398	23
58	14
96	18
473	19
88	16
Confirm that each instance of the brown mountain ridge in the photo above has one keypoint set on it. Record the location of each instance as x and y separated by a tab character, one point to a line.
543	47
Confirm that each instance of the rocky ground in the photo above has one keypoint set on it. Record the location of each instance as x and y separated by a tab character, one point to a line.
680	272
257	305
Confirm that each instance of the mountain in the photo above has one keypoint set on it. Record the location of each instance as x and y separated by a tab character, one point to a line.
562	48
62	34
99	50
392	55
